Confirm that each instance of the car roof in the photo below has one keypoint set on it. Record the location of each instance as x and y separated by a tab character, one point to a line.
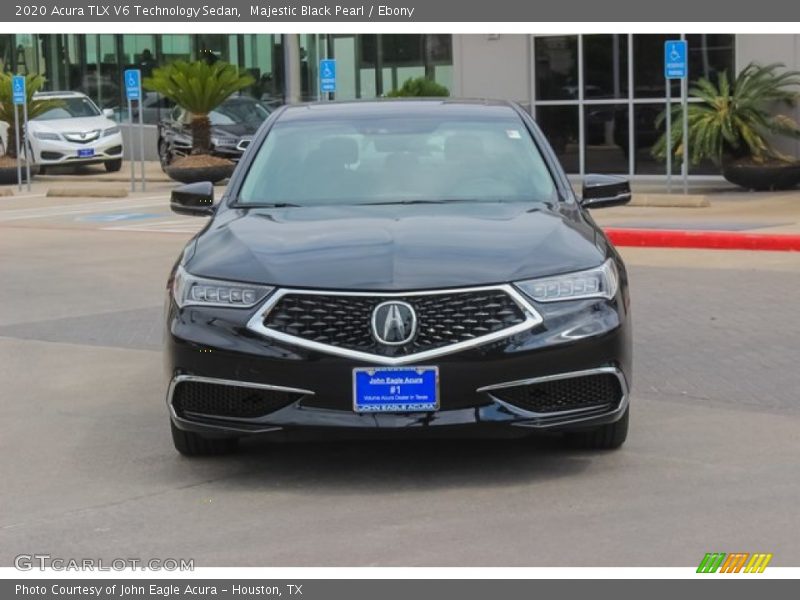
60	94
400	107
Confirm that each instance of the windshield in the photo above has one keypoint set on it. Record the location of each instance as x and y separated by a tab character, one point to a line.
68	108
239	110
406	159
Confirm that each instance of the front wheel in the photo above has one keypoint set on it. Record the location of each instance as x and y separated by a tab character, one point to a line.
605	437
164	154
190	443
112	166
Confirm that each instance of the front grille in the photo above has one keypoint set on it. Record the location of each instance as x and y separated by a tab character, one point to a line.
232	401
601	389
442	319
82	138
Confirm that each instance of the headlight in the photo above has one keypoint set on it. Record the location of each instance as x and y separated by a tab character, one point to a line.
110	131
223	141
600	282
46	135
189	290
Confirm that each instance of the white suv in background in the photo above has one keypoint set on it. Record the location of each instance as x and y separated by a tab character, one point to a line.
74	132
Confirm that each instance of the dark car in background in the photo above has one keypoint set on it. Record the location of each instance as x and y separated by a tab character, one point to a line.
233	124
395	267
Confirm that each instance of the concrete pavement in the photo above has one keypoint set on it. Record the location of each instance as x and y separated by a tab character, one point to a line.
88	469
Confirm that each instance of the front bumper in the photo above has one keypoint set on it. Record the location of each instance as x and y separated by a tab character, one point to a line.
575	339
61	152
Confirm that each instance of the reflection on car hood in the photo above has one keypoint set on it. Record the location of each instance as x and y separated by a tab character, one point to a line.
74	124
235	130
395	247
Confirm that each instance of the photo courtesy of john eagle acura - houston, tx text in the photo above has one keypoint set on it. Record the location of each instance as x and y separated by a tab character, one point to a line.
398	266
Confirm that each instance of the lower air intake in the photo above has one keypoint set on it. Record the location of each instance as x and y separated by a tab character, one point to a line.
196	398
588	391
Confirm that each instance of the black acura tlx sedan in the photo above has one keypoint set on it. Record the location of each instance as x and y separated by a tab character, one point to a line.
398	266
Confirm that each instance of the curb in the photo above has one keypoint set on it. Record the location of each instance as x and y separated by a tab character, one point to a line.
715	240
76	192
670	200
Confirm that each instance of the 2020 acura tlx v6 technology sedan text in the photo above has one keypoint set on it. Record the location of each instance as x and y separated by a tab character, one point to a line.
416	265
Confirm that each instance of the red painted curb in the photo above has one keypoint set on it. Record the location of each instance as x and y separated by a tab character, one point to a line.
719	240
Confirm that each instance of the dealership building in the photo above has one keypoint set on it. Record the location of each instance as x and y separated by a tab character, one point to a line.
596	96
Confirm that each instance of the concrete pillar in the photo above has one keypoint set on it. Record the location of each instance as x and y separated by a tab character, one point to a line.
291	66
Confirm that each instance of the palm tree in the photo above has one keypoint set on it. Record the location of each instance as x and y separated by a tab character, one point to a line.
198	87
735	116
36	106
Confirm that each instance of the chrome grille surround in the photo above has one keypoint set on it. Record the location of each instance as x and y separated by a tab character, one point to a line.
82	137
530	318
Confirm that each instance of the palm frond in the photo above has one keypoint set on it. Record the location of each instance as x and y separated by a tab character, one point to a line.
735	115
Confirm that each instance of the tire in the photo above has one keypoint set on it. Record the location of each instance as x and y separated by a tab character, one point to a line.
605	437
189	443
164	154
112	166
35	168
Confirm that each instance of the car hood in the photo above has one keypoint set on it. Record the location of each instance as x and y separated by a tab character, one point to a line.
396	247
236	129
71	125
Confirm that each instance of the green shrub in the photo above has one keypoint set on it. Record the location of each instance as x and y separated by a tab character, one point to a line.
420	87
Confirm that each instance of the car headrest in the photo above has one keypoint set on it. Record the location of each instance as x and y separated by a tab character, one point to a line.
463	146
342	150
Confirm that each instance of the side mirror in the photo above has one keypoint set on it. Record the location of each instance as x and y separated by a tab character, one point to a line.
108	113
600	191
193	199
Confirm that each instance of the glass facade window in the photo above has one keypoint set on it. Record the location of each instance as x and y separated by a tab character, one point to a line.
387	61
605	66
560	125
618	120
645	135
367	65
648	66
606	138
556	67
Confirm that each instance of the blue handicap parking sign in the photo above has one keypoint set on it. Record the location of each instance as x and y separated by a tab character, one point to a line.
675	63
327	75
18	89
133	84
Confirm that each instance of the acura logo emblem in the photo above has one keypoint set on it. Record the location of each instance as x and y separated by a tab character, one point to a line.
394	323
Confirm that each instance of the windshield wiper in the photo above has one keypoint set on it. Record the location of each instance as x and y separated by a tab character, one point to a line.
405	202
269	205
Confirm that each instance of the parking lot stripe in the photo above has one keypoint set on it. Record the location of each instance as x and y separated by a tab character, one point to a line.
188	225
97	205
65	210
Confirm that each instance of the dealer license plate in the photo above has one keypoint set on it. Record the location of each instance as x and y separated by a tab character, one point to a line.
395	389
85	152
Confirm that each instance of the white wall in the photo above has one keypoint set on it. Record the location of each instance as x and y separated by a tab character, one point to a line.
492	66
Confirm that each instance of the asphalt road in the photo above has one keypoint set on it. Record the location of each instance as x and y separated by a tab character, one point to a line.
87	468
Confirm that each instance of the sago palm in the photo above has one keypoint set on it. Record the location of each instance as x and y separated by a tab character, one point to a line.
735	117
36	106
198	87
